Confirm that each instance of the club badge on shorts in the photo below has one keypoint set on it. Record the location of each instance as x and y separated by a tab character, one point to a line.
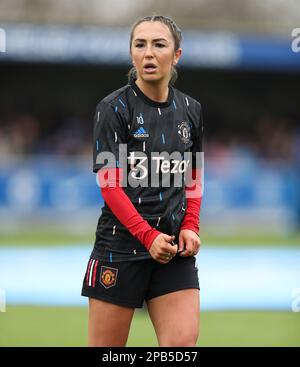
108	276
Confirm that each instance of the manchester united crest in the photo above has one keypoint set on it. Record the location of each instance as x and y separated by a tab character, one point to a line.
184	131
108	276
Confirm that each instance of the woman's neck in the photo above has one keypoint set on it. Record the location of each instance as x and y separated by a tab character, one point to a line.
158	92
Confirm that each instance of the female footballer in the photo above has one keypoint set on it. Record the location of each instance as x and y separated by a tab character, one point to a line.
147	141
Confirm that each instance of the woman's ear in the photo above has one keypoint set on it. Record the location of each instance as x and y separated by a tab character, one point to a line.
177	55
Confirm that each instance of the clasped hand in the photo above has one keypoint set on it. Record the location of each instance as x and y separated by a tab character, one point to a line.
162	249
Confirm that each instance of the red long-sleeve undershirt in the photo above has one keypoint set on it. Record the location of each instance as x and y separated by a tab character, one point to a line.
193	192
121	206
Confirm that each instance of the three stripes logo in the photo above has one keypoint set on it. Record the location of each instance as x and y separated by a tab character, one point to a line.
141	133
108	275
90	279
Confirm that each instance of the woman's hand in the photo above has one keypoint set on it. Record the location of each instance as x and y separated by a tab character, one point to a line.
162	250
189	242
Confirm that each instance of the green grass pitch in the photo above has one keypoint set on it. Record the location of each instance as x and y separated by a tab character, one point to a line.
67	326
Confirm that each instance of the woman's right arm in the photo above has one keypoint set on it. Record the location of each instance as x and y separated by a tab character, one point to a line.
122	207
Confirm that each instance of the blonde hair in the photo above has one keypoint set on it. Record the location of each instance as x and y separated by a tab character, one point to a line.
177	36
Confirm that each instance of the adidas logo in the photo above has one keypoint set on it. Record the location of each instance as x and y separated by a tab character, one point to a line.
141	133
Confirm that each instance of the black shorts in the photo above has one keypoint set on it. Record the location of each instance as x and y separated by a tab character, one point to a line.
130	283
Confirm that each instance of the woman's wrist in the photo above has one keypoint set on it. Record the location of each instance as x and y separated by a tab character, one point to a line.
191	228
150	237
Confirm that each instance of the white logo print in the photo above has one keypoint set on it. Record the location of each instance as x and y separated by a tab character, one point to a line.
162	164
140	119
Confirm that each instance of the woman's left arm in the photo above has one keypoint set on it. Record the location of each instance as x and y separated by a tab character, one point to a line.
189	241
189	230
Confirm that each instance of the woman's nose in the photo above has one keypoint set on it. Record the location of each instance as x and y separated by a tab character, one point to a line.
148	51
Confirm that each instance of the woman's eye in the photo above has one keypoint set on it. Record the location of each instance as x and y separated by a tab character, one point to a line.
160	45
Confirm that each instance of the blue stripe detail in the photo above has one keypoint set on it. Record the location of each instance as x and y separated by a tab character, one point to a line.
163	138
122	103
173	216
116	108
174	104
110	257
97	145
117	163
160	196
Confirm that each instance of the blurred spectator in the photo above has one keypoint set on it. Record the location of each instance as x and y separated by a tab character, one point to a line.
22	134
5	146
275	138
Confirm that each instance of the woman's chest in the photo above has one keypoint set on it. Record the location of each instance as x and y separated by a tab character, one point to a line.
159	131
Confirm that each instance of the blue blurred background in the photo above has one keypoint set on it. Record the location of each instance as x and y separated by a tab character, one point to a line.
61	58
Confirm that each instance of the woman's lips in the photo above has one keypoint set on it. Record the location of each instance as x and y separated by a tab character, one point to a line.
150	70
150	67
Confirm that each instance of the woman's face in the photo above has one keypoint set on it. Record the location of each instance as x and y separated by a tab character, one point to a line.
152	51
